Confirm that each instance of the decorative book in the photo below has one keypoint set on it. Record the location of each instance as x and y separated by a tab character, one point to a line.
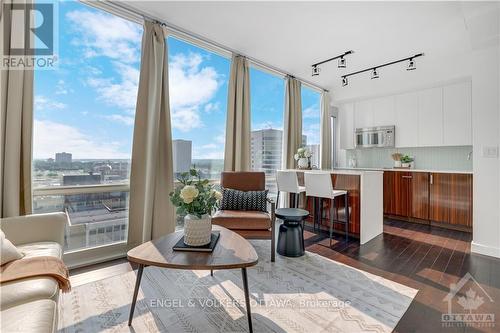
180	246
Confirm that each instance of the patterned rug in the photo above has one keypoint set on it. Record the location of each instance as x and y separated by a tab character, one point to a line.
306	294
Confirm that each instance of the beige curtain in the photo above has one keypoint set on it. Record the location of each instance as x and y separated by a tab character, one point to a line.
326	132
237	147
292	134
151	177
16	126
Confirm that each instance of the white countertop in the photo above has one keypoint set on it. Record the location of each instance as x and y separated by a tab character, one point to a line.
406	170
346	171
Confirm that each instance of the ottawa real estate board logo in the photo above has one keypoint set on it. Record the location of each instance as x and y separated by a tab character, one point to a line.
466	300
29	35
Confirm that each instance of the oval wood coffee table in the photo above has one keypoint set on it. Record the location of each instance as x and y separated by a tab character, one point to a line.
231	251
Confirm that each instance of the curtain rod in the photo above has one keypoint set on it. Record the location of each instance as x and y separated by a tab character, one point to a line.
129	12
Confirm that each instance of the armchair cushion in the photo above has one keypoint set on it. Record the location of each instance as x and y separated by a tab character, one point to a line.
242	220
244	200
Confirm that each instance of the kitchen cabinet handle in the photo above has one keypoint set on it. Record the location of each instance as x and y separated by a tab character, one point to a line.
407	177
431	180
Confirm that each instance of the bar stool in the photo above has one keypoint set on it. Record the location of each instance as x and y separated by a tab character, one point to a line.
319	185
287	181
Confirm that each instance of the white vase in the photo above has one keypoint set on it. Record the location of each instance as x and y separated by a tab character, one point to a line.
197	231
406	165
303	163
397	164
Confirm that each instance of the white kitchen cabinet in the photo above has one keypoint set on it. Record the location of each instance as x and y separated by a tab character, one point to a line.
383	111
430	117
406	119
457	116
346	126
363	114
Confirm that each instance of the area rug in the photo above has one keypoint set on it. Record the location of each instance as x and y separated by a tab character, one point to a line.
306	294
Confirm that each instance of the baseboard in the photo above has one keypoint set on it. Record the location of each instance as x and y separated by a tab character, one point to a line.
485	250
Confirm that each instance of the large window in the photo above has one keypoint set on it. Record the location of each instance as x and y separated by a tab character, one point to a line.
311	101
83	125
198	103
267	105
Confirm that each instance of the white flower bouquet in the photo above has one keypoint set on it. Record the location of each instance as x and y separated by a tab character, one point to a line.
303	157
195	196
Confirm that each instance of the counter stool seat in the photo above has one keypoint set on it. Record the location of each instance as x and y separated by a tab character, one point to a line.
287	181
319	186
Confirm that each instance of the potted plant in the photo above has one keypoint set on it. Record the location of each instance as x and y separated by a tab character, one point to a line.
303	158
406	161
196	199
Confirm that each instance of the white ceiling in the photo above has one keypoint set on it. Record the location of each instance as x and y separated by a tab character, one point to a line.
293	35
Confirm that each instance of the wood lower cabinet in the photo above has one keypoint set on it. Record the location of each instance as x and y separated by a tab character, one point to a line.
406	194
440	198
450	199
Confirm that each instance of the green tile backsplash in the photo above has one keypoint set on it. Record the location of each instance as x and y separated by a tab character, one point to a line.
435	158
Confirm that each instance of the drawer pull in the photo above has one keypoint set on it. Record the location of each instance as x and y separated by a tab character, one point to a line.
407	177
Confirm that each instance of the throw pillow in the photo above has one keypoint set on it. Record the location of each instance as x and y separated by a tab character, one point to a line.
8	251
243	200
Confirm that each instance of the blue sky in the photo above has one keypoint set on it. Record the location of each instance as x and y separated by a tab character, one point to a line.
87	105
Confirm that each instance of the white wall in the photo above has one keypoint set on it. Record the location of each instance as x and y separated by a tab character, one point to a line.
484	23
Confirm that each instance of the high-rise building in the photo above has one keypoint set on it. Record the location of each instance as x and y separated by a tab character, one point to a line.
64	157
266	152
182	154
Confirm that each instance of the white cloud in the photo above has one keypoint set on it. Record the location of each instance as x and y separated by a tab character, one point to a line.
102	34
51	137
61	88
209	146
186	119
212	107
190	83
43	103
311	112
127	120
120	91
209	152
312	133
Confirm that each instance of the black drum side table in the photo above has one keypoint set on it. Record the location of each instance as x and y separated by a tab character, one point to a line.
291	232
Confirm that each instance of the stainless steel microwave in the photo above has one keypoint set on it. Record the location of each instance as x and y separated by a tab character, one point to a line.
370	137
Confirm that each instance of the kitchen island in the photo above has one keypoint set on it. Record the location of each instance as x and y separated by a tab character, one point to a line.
365	191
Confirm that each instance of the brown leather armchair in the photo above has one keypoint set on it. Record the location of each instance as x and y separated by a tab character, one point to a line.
249	224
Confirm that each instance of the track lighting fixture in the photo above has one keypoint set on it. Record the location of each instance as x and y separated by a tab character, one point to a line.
341	64
315	70
411	66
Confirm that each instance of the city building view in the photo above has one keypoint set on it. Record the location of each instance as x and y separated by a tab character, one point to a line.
94	193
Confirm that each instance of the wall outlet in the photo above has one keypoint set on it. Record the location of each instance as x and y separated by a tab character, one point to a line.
490	151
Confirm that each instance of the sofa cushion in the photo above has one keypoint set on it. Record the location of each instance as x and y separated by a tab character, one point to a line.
37	316
245	220
41	249
8	250
27	290
30	289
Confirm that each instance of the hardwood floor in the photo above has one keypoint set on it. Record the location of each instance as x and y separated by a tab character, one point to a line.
423	257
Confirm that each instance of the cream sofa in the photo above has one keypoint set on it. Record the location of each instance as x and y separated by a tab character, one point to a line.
30	305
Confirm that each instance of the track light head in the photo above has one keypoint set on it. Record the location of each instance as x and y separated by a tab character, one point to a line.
342	62
411	65
375	74
345	82
315	71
